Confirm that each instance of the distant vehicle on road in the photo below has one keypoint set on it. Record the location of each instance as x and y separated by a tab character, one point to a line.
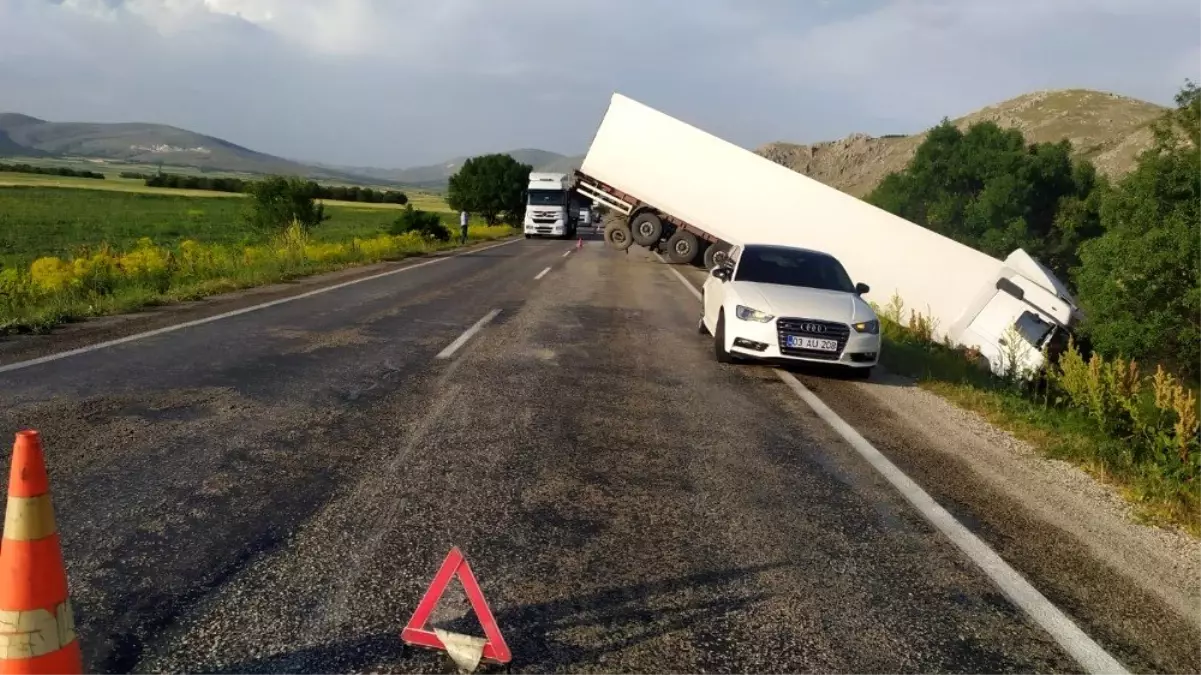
791	304
548	209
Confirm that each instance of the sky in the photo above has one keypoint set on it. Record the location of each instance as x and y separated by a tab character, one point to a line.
397	83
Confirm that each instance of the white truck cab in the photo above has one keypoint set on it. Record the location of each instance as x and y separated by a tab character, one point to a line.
548	209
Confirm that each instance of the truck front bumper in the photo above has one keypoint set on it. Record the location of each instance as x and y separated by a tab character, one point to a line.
557	229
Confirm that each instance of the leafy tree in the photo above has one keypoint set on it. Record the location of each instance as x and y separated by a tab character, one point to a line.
492	186
278	200
988	189
1140	281
423	222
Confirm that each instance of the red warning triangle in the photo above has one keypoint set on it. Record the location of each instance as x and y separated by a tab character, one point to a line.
415	633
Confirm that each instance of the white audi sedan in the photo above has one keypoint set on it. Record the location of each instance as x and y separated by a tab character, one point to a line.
780	303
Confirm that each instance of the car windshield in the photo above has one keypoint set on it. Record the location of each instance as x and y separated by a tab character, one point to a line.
793	267
546	198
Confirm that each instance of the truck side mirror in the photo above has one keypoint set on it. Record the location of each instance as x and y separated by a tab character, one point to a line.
862	288
722	273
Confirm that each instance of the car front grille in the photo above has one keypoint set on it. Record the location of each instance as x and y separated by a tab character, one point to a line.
827	330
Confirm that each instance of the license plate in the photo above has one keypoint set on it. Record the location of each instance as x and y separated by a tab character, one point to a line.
818	344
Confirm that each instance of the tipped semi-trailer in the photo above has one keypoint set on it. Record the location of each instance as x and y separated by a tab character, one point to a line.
694	197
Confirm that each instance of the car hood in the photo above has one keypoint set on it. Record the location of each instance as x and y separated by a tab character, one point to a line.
808	303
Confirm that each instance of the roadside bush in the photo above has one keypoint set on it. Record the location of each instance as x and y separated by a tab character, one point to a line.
420	222
1156	417
278	202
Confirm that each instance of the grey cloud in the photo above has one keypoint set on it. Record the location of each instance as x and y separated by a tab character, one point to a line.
400	83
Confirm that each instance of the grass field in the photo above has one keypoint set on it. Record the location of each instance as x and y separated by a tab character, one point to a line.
70	250
38	220
426	201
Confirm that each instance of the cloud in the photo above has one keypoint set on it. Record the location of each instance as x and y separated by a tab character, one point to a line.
390	82
922	59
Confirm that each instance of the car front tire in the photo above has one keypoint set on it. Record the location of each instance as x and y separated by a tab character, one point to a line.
719	341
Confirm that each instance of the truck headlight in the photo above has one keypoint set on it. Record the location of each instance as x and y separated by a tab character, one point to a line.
748	314
870	327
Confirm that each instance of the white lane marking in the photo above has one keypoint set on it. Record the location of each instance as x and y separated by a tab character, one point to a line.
1090	655
542	274
462	339
245	310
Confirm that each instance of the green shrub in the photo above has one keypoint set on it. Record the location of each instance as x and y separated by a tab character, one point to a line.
425	223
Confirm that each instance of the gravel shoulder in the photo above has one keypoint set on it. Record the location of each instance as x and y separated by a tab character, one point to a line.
1134	587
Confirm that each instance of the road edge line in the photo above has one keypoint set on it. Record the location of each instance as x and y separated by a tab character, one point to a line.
1021	592
1087	653
237	312
453	347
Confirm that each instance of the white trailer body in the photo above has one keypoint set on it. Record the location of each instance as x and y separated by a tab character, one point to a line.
643	160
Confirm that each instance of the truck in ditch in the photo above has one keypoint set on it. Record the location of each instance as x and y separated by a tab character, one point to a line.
678	190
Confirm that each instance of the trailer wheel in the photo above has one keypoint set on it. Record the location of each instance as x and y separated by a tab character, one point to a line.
682	247
617	235
715	254
646	228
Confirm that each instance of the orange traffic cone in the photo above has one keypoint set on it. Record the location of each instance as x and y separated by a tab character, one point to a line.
37	627
579	243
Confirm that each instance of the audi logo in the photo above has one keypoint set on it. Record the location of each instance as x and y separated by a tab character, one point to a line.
813	328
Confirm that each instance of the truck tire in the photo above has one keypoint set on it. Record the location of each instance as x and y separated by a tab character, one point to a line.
617	236
682	247
719	341
715	254
646	228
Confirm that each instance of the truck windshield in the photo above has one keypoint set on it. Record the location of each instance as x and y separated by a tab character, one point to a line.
546	198
792	267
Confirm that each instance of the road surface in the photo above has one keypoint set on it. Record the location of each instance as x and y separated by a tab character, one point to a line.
273	491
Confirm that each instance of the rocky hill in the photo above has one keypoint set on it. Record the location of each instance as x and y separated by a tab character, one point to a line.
1107	128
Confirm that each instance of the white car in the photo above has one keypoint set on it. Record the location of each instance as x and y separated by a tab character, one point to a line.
789	304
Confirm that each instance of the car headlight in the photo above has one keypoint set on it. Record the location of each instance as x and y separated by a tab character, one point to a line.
748	314
871	327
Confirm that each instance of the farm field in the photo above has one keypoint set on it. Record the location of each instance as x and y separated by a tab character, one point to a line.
48	217
68	253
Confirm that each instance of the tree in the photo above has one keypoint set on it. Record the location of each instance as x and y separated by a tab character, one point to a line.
492	186
278	200
988	189
423	222
1140	281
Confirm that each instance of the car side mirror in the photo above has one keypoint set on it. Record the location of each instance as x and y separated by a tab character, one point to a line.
722	273
862	288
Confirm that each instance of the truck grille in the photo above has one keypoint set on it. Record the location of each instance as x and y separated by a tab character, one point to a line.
812	328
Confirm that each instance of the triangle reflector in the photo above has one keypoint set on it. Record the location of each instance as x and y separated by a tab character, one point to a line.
416	633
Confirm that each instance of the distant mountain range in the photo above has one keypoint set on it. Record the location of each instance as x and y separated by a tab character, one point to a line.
25	136
435	176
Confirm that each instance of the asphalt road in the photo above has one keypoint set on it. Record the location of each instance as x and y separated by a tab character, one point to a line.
273	491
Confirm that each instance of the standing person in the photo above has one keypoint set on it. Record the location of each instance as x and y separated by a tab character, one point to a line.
463	226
